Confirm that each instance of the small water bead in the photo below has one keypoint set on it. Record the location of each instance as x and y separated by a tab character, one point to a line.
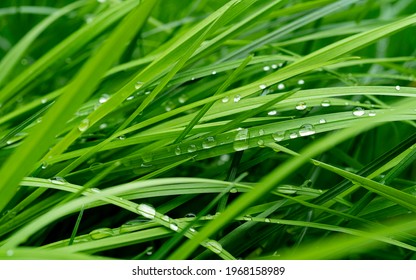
182	98
358	112
263	86
101	1
261	132
325	103
146	211
165	218
272	113
169	106
138	85
122	137
260	142
225	99
306	130
281	86
191	148
247	218
190	215
103	126
372	113
9	253
84	125
44	100
237	98
149	250
301	106
178	151
397	87
147	157
214	246
233	190
101	233
57	180
322	121
241	140
301	82
209	142
266	68
192	230
274	66
95	190
267	220
214	72
104	98
44	165
173	227
293	135
278	136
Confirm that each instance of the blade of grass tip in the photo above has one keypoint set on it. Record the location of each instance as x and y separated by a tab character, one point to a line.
268	183
75	230
220	90
12	58
82	86
165	80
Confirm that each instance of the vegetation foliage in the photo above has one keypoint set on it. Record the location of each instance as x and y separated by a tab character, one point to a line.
207	129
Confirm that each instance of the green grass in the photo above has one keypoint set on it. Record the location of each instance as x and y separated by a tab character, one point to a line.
207	129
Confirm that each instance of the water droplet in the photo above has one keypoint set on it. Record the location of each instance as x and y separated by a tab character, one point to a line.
101	1
149	250
241	140
130	97
272	113
146	211
101	233
191	148
278	136
83	126
247	218
225	157
169	106
372	113
44	100
293	135
358	112
301	106
173	227
266	68
103	126
233	190
95	190
122	137
322	121
274	66
190	215
9	253
260	142
225	99
57	180
397	87
213	245
281	86
237	98
267	220
306	130
182	98
192	230
263	86
166	218
325	103
301	82
138	85
261	132
214	72
193	79
44	165
209	142
147	157
104	98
